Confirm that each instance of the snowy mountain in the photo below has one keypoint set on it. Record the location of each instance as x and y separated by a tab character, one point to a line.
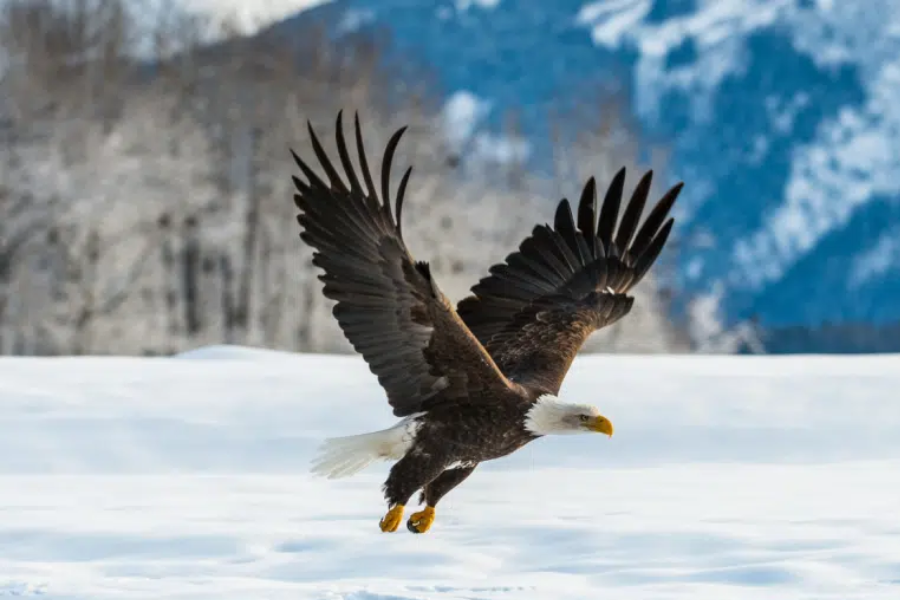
781	116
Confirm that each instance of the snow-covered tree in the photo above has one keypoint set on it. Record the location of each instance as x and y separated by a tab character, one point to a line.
148	211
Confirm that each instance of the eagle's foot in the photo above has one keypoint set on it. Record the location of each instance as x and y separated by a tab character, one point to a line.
421	521
391	520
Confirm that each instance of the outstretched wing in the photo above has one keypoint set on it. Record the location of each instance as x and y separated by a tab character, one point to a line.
536	309
388	305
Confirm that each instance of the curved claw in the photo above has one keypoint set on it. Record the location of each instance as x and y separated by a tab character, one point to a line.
420	522
391	520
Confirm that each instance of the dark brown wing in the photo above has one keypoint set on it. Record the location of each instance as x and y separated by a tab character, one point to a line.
388	306
537	308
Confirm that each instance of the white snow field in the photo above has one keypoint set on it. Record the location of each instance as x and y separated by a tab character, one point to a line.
187	477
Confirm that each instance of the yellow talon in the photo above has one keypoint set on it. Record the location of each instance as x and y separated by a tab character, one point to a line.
392	519
420	522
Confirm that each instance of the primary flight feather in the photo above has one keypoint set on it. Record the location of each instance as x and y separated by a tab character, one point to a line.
479	381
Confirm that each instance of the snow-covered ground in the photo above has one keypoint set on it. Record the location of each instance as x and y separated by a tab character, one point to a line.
728	478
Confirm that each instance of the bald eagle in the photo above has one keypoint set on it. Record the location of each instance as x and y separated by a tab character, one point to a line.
480	381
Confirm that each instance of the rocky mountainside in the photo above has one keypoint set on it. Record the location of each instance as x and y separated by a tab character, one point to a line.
782	116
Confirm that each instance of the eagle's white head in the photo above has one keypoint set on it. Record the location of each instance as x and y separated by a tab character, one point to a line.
550	415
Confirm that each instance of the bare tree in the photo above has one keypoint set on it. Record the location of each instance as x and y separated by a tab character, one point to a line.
145	191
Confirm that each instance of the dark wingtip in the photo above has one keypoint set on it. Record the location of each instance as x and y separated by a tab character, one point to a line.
673	193
655	220
361	154
333	177
633	212
343	154
654	249
339	122
387	163
609	212
563	216
401	194
668	200
299	184
587	208
297	159
312	178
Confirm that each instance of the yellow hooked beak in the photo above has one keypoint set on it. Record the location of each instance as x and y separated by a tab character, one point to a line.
601	425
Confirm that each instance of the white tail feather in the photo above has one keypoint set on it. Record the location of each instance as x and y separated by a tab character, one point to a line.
345	456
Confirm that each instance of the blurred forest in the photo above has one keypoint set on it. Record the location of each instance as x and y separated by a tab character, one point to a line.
145	191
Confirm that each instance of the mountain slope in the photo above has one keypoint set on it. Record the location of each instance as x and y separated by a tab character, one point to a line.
781	114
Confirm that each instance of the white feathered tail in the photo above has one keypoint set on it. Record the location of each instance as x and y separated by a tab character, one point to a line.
345	456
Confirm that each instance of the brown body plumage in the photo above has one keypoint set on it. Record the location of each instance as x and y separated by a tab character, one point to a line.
478	382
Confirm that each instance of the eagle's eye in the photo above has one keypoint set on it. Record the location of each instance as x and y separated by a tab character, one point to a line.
584	418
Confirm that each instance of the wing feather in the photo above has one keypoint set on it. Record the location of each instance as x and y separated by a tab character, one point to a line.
388	306
534	311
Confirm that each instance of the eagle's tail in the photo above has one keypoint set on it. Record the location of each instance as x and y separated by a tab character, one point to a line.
345	456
